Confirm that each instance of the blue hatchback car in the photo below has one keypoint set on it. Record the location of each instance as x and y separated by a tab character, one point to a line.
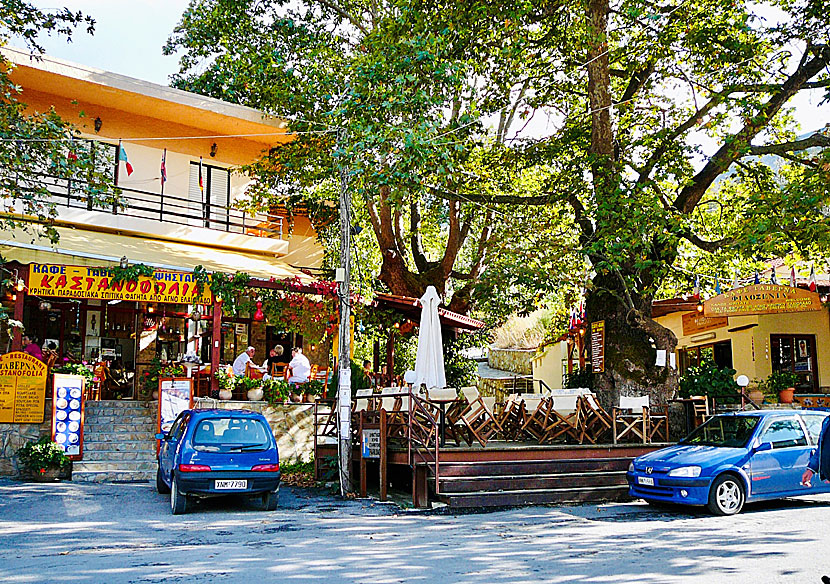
730	459
208	453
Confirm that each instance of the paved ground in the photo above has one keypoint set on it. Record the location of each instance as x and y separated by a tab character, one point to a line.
86	533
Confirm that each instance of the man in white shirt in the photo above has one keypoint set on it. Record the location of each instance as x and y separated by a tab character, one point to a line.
299	368
243	360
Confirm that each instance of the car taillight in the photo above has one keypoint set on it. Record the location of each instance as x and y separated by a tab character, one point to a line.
266	468
193	468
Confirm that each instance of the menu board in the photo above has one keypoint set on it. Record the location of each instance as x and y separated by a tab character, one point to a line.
68	413
175	396
22	388
598	346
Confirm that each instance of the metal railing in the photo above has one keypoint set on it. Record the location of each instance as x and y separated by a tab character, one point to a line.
163	207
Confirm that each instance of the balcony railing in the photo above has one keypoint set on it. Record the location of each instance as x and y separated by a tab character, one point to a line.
167	208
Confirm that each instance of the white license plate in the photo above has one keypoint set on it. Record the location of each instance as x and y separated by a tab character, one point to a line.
648	481
230	485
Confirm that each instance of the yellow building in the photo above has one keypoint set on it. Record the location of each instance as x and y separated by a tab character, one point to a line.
170	225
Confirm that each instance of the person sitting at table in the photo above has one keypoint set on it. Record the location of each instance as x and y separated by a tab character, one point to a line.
242	361
31	347
299	368
274	356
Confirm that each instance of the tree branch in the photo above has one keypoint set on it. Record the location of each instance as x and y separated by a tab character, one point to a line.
344	15
818	139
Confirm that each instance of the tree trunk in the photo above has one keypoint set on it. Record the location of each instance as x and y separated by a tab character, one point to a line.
631	342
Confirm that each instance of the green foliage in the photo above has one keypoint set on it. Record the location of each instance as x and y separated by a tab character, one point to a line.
131	273
579	378
35	457
275	391
156	371
75	369
706	379
359	380
460	371
297	467
777	382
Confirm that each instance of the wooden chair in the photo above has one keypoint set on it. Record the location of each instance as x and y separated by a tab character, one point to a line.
278	370
511	417
700	409
547	423
93	388
253	372
630	419
594	424
478	416
320	374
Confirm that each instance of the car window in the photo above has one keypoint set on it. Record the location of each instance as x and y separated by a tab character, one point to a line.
813	423
179	426
726	431
231	433
784	433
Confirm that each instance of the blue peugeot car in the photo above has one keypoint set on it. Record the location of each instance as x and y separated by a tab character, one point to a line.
731	459
208	453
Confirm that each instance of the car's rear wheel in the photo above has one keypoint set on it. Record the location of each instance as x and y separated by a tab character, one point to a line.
178	501
726	495
270	500
161	486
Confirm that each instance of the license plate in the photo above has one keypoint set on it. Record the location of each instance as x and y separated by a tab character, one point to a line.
648	481
230	485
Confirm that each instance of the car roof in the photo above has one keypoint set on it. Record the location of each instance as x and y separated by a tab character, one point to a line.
770	413
222	413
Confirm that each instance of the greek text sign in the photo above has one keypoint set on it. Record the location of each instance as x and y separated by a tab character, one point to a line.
80	282
762	299
370	444
694	322
22	388
598	346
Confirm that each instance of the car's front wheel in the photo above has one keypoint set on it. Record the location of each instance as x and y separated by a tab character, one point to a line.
726	495
161	486
178	501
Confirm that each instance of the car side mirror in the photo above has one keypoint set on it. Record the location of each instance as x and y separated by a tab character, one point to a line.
763	447
161	436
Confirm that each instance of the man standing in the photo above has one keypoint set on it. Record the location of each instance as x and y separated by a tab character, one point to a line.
242	361
299	368
820	459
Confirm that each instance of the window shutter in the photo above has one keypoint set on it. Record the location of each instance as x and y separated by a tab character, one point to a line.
219	196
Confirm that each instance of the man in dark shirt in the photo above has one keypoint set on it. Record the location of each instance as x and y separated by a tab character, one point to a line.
819	463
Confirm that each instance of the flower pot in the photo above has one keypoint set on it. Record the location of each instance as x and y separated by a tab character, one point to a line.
785	396
155	394
225	394
756	395
255	394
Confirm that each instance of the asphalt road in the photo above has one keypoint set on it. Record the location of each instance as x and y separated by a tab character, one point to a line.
124	533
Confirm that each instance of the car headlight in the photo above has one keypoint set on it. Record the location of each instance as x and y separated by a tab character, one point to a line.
631	467
685	471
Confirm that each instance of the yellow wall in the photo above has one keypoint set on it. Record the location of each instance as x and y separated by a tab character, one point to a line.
547	364
751	346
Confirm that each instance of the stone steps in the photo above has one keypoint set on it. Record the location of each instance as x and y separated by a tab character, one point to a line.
118	442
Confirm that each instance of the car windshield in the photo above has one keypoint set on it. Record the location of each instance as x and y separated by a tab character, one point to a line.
231	434
727	431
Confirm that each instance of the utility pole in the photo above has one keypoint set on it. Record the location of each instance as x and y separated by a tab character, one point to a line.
344	389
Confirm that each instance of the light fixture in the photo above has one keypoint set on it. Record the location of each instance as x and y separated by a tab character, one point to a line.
124	263
259	316
151	309
14	296
97	124
44	305
218	299
116	301
581	331
20	284
213	148
699	307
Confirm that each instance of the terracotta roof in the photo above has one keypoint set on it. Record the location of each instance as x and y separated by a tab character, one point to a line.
412	309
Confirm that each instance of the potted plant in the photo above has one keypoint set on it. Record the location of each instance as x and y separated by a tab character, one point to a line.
251	387
43	461
225	377
275	391
707	379
781	385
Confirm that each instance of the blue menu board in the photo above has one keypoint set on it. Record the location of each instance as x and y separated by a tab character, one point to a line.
68	413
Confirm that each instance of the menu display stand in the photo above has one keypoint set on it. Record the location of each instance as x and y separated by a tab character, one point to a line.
68	413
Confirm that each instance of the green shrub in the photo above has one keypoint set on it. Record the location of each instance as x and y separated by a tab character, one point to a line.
36	457
706	379
579	378
778	381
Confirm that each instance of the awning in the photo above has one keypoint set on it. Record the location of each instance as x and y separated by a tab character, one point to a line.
80	247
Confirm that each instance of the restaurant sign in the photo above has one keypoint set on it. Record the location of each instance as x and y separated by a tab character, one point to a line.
97	283
762	299
598	346
22	388
694	322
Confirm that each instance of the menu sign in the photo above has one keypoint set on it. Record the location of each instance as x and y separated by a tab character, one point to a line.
694	322
22	388
762	299
98	283
175	396
598	346
68	413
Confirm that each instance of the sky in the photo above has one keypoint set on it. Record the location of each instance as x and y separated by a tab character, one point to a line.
129	36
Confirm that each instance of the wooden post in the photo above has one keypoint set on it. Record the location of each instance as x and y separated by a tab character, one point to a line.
420	496
581	347
376	356
362	460
390	358
216	346
383	477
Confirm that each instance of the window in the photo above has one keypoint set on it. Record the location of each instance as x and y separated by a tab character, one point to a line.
720	353
784	433
813	423
797	354
179	426
209	209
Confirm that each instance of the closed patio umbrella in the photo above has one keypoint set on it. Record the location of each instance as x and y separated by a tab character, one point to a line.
429	362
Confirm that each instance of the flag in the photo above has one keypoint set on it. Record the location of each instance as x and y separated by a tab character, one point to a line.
122	156
201	179
773	279
812	284
696	293
582	312
792	277
757	277
717	286
735	281
163	168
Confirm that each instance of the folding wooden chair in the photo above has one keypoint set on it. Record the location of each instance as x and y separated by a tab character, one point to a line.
700	408
594	423
510	417
658	423
478	416
253	372
630	419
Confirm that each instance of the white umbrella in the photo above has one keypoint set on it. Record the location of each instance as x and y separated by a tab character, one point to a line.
429	363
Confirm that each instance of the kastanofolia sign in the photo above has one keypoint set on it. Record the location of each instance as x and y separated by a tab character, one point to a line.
762	299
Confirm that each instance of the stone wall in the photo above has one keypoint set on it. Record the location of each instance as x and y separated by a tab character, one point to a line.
292	424
514	360
14	436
